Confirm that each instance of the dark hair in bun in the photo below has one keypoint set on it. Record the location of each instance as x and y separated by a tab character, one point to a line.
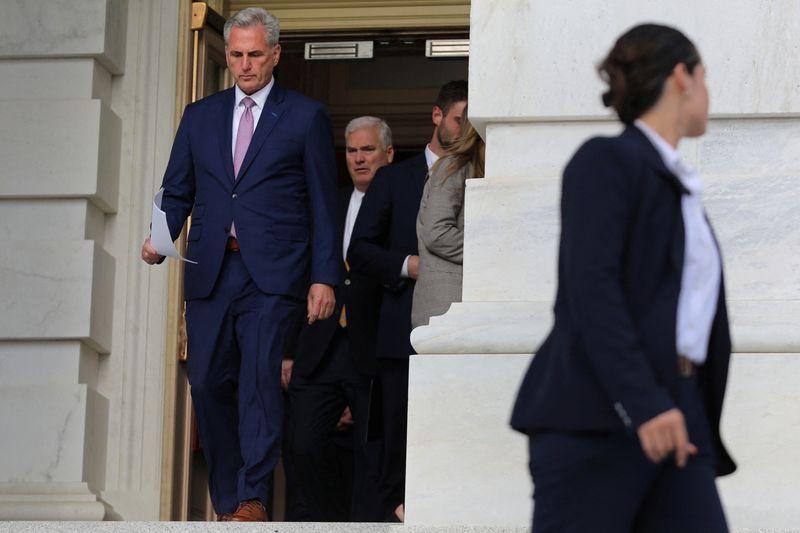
639	64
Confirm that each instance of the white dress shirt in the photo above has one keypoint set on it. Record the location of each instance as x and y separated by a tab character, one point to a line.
702	269
350	220
430	159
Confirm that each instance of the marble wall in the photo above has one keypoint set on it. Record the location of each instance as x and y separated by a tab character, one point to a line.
87	91
546	105
133	374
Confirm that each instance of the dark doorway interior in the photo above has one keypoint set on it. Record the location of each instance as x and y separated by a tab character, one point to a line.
399	84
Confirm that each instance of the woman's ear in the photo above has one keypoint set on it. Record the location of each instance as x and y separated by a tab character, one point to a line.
682	78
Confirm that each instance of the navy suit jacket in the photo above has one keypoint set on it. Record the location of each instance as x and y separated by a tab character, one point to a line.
384	234
311	343
610	360
283	202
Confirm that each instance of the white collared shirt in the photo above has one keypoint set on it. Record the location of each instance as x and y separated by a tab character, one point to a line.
702	269
430	157
350	220
259	97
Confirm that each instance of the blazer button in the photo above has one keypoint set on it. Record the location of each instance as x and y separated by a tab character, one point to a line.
347	282
234	196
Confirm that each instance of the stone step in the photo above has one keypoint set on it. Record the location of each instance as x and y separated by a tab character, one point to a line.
269	527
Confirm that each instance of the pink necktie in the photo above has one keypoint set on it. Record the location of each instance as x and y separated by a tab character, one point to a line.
243	137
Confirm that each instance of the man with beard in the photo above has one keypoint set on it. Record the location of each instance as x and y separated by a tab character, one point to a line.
384	249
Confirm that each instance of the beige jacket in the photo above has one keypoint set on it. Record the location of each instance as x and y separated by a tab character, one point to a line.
440	238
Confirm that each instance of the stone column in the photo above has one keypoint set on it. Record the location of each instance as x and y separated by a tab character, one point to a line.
71	123
60	153
535	97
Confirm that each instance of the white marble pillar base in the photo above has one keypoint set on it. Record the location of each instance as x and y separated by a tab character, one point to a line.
49	501
485	327
465	465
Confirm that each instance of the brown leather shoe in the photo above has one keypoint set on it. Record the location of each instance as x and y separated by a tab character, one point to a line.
249	511
225	517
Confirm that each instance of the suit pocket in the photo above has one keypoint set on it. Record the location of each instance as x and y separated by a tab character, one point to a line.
195	232
290	233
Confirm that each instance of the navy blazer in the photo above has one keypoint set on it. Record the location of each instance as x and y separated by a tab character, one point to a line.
311	343
283	202
610	360
384	234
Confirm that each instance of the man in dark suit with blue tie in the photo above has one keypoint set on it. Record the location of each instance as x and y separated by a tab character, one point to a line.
255	167
384	249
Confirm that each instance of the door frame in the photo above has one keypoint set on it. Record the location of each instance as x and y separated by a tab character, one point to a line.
200	34
301	19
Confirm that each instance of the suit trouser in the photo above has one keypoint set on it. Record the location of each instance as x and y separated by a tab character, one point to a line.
296	507
602	481
236	341
317	402
393	374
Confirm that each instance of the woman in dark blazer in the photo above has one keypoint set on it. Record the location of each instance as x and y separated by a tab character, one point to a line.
622	401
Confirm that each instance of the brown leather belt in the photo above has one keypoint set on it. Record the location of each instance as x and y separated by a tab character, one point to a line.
233	245
686	368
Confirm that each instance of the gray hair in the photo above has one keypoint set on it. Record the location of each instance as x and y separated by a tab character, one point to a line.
384	132
253	16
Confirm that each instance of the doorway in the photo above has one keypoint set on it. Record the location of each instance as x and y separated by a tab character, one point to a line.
398	83
184	487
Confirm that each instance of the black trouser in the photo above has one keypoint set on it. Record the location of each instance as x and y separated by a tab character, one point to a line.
394	384
603	483
317	402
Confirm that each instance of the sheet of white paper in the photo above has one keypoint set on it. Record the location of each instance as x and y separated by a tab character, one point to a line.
160	237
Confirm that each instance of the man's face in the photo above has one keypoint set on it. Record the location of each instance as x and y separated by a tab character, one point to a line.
251	58
447	126
365	155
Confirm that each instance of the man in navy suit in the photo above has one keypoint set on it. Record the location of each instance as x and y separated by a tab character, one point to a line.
255	167
384	249
331	368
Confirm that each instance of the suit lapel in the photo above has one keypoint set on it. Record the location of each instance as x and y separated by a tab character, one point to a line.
226	134
270	115
420	173
678	242
344	204
656	164
421	166
653	158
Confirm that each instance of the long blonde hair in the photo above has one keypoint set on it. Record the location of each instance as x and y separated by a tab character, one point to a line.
465	150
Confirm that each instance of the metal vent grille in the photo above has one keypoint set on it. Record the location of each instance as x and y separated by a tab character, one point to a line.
447	48
340	50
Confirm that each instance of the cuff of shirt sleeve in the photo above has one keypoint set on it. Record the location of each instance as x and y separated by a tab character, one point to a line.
404	270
